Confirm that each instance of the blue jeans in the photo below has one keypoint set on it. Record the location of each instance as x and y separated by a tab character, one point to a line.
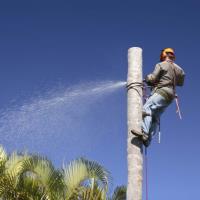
154	106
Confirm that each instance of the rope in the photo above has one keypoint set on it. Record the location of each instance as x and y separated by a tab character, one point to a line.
135	86
178	107
159	132
146	173
145	97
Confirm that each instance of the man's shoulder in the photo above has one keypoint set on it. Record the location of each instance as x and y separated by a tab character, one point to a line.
159	64
165	64
179	68
162	65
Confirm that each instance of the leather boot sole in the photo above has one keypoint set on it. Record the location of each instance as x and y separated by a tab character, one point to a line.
139	134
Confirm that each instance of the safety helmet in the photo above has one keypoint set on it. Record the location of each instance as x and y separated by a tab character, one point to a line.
165	52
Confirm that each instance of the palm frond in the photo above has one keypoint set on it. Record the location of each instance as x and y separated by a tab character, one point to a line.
119	193
40	169
82	172
3	155
14	163
74	174
98	172
3	159
95	193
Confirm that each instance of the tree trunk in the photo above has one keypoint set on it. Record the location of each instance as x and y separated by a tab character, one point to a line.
134	146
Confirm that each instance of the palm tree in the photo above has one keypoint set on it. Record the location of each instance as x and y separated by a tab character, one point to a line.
41	172
25	177
32	177
83	178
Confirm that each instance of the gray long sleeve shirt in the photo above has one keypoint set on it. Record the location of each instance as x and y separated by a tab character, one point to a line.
165	77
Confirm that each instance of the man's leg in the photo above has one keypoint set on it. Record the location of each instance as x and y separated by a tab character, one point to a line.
154	106
147	121
158	108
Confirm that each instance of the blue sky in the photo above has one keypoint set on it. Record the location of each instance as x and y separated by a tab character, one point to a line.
48	44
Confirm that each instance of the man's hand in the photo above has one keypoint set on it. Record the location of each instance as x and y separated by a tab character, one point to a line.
148	81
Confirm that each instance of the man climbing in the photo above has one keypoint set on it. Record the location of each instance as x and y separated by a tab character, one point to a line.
163	80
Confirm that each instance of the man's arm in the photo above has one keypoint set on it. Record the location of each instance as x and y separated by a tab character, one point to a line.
181	79
180	76
153	78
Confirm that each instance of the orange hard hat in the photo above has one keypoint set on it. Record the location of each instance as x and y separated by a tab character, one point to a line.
164	53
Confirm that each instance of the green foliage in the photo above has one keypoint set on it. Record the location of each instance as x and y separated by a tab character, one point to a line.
119	193
32	177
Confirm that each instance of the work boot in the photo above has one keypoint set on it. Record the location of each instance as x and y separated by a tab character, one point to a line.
146	139
147	142
141	134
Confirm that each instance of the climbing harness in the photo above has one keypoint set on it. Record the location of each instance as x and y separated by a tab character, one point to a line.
145	95
136	86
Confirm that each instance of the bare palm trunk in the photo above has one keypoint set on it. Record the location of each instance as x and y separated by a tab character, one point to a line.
134	146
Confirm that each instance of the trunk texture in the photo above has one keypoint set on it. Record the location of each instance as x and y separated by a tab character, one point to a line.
134	146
